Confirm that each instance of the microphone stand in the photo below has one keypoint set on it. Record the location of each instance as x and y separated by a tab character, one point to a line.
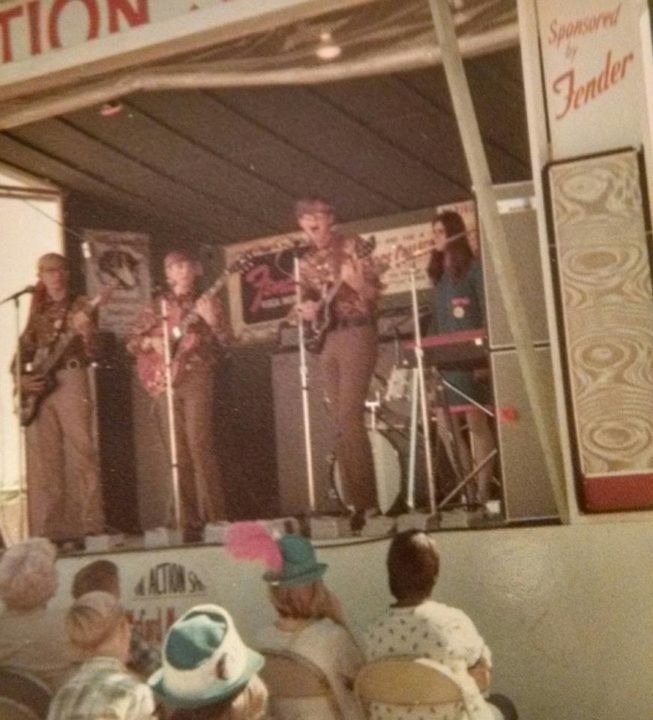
174	461
24	529
421	387
303	381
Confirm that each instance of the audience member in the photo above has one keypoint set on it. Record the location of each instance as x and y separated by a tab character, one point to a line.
309	619
144	658
32	636
208	672
102	688
418	626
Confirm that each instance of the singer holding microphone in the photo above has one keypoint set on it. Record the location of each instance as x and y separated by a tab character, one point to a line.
63	470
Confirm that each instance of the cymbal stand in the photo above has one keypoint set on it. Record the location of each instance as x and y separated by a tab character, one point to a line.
303	383
170	404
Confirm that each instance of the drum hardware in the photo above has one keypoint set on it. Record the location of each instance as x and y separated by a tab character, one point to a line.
399	383
471	471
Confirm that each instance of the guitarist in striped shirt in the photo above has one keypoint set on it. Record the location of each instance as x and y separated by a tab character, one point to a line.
63	470
337	269
193	361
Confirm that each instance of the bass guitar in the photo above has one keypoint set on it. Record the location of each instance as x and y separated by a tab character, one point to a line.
315	330
150	365
45	365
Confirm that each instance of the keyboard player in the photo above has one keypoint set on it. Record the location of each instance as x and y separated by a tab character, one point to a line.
458	305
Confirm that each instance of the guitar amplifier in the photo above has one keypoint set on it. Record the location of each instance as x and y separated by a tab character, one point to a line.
287	336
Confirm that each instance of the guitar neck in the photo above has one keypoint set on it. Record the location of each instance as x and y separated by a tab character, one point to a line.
193	316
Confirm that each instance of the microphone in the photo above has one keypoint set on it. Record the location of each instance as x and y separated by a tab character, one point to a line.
16	295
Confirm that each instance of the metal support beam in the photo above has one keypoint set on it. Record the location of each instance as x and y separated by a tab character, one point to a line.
497	245
77	96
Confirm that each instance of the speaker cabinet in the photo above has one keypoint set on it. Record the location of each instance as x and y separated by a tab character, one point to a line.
527	490
520	224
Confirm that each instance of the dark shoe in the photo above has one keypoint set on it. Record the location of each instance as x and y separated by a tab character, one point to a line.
71	545
360	517
193	535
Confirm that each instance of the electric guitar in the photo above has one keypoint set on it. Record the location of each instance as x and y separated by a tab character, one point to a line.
150	365
315	330
45	364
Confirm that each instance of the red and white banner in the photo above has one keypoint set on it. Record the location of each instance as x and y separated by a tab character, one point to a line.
592	74
44	37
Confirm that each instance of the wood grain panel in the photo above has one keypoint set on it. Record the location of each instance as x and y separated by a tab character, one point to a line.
606	301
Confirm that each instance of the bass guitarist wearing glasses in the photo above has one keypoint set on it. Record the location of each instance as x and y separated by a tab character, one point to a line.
63	469
197	325
340	288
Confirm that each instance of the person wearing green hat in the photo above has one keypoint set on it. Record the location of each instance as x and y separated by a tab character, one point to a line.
310	623
208	673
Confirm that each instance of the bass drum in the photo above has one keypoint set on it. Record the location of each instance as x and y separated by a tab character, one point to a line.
387	467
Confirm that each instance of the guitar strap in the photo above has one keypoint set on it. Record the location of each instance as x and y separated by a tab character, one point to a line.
64	323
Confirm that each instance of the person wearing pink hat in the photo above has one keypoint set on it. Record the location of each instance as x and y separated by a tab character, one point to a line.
197	326
63	469
309	622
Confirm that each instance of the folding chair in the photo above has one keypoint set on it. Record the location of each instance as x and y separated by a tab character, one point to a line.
23	695
292	679
410	682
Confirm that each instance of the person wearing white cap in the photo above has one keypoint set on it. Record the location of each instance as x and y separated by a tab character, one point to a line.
208	672
201	319
63	469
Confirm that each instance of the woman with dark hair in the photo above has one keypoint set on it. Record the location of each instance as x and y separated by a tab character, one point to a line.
458	304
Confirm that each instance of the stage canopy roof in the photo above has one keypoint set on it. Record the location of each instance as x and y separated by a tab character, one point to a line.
220	128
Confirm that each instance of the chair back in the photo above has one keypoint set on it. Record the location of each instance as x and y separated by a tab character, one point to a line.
289	676
407	681
27	695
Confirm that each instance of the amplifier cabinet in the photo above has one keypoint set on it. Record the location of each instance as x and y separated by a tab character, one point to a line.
527	491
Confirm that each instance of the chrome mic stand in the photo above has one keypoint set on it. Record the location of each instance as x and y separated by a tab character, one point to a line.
419	385
172	430
23	490
303	380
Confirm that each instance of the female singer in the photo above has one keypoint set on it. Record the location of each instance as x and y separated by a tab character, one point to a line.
458	304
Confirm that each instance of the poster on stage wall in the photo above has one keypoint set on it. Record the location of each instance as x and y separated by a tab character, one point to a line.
120	260
261	298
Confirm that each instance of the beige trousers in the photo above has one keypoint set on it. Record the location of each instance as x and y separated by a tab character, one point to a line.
63	469
347	364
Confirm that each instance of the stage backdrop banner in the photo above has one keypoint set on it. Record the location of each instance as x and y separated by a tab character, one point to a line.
261	298
120	260
593	74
